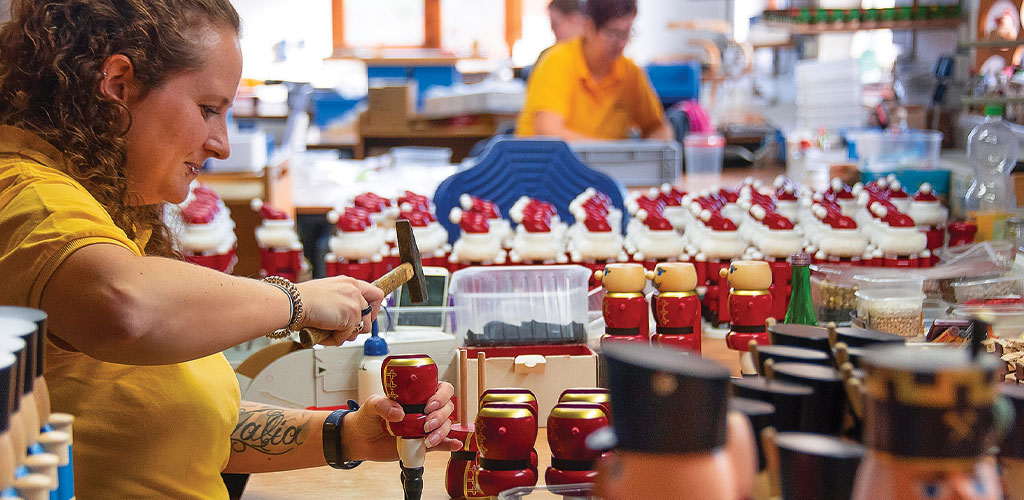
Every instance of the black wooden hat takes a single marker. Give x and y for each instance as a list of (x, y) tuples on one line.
[(816, 467), (788, 399), (937, 403), (862, 337), (809, 337), (664, 401), (785, 353), (825, 414)]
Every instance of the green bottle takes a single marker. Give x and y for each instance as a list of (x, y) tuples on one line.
[(801, 308)]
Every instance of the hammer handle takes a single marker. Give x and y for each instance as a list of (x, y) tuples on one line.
[(395, 278)]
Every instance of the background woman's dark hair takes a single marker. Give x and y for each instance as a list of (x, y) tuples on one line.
[(51, 57), (602, 11), (566, 7)]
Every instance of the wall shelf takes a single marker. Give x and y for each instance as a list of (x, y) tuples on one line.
[(819, 28)]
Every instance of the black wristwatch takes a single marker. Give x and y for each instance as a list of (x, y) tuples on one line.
[(332, 438)]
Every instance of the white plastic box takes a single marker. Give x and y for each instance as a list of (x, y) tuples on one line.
[(879, 151), (520, 297)]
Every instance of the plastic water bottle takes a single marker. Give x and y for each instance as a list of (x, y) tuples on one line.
[(375, 350), (992, 152)]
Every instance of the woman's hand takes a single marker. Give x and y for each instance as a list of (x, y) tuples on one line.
[(335, 304), (363, 436)]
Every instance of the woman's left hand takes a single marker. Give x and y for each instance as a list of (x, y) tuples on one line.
[(363, 437)]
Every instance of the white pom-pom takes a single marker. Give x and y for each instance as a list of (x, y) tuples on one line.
[(758, 212), (879, 210), (256, 204), (895, 185), (333, 216), (705, 215), (455, 215), (820, 255), (925, 188), (653, 193), (862, 198), (836, 184), (666, 188), (641, 214), (466, 201)]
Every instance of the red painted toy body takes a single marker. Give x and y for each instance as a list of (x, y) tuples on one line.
[(460, 465), (749, 310), (505, 435), (409, 380), (716, 298), (510, 395), (677, 315), (625, 317), (569, 424), (781, 289), (284, 263), (596, 395)]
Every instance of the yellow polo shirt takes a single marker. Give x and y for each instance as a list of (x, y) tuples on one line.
[(140, 431), (608, 108)]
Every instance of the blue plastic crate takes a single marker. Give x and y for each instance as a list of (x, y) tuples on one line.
[(913, 178), (675, 82), (327, 105)]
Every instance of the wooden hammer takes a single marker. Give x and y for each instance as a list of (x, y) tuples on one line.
[(410, 271)]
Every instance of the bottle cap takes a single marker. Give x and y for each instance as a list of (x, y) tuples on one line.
[(994, 109), (800, 259), (375, 345)]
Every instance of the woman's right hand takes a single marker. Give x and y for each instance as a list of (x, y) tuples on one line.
[(334, 304)]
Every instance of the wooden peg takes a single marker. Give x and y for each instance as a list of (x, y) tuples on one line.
[(833, 338), (771, 459), (481, 375), (842, 352), (464, 386), (769, 369)]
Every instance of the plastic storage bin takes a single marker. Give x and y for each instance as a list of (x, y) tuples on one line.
[(634, 163), (877, 151), (1007, 321), (704, 154), (520, 305), (891, 304), (833, 293)]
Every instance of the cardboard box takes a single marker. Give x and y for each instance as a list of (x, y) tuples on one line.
[(390, 105), (544, 370)]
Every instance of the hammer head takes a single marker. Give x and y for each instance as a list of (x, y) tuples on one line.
[(409, 252)]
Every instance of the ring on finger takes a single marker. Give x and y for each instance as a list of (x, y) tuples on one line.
[(358, 328)]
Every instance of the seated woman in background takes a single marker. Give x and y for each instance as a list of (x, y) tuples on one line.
[(585, 89)]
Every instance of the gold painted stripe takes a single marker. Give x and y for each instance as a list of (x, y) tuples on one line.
[(677, 294), (749, 292), (422, 361), (623, 295)]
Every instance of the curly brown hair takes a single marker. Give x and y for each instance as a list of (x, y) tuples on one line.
[(51, 58)]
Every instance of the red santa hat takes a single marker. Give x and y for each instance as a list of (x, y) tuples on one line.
[(199, 213), (360, 212), (472, 222), (416, 218), (372, 202), (895, 190), (925, 194), (594, 205), (650, 205), (266, 211), (671, 195), (717, 221), (417, 201), (728, 195), (537, 223), (654, 220), (897, 219), (487, 208), (708, 203), (352, 221), (535, 206), (834, 218), (597, 223), (786, 193)]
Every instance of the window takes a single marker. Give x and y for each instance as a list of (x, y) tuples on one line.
[(490, 26)]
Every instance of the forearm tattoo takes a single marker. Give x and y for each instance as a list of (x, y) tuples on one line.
[(271, 431)]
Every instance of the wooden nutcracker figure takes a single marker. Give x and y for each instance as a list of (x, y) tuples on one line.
[(510, 395), (1011, 449), (930, 416), (410, 380), (750, 305), (569, 425), (280, 248), (624, 307), (505, 435), (661, 452), (676, 306)]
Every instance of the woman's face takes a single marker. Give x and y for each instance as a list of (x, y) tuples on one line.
[(611, 39), (180, 124)]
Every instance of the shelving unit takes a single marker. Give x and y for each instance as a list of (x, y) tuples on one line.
[(819, 28)]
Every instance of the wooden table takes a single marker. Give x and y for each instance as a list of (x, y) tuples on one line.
[(373, 480)]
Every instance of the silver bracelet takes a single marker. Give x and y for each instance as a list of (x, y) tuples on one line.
[(298, 313)]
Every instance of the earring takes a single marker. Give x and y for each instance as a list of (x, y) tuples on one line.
[(104, 73)]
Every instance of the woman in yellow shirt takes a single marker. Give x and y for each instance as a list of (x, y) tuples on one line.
[(108, 108), (585, 89)]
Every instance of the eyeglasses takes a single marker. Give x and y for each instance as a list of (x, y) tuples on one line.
[(621, 35)]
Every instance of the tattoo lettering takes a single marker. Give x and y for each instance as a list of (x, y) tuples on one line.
[(268, 431)]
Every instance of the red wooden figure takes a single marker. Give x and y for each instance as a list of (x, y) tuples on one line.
[(750, 305), (505, 435), (569, 424), (624, 306), (410, 380), (676, 306), (596, 395)]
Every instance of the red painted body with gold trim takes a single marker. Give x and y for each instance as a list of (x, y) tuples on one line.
[(408, 380), (677, 310), (568, 427), (505, 432), (748, 308), (626, 311)]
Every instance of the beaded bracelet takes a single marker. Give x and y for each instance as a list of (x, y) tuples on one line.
[(298, 313)]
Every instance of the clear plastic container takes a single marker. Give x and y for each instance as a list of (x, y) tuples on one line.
[(997, 286), (992, 152), (703, 153), (421, 156), (834, 295), (1007, 321), (562, 492), (878, 150), (520, 305), (893, 304)]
